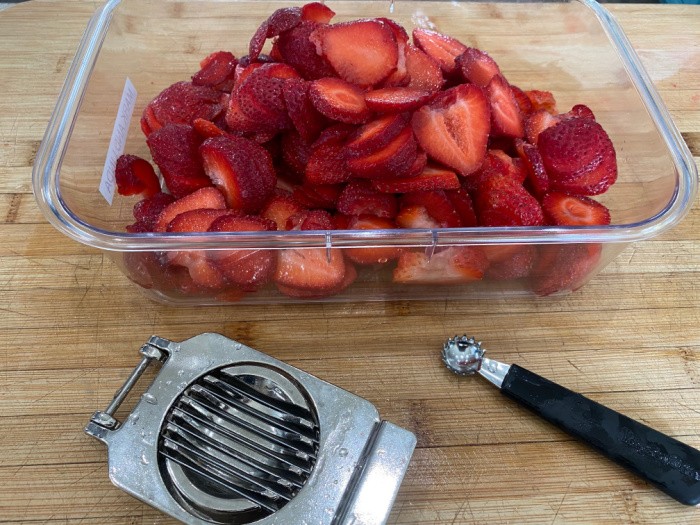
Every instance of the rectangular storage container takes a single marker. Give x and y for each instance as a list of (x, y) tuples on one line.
[(576, 50)]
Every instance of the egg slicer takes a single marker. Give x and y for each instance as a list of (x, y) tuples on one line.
[(227, 434)]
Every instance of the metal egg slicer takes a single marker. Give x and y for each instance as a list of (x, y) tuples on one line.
[(226, 434)]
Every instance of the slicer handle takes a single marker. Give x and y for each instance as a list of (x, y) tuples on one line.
[(672, 466)]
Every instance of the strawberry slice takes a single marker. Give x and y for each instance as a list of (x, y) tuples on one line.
[(502, 201), (175, 150), (376, 134), (463, 205), (396, 99), (217, 71), (305, 118), (564, 267), (317, 195), (260, 95), (317, 12), (537, 122), (360, 198), (339, 100), (441, 48), (579, 156), (415, 216), (181, 103), (315, 293), (306, 220), (372, 255), (205, 198), (561, 209), (392, 161), (327, 162), (424, 72), (534, 167), (509, 261), (278, 22), (542, 100), (454, 128), (477, 67), (294, 153), (248, 269), (135, 176), (524, 103), (146, 212), (506, 119), (580, 111), (437, 205), (431, 178), (312, 271), (280, 208), (362, 52), (197, 220), (207, 129), (241, 169), (296, 50), (453, 265)]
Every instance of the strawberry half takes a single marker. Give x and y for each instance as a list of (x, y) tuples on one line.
[(477, 67), (135, 176), (506, 118), (441, 48), (502, 201), (339, 100), (362, 52), (561, 209), (454, 128), (260, 95), (453, 265), (241, 169)]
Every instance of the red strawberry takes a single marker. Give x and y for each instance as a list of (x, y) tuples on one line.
[(502, 201), (312, 271), (327, 162), (542, 100), (281, 20), (506, 119), (317, 12), (524, 103), (217, 71), (339, 100), (477, 67), (463, 205), (207, 129), (135, 175), (197, 220), (349, 276), (578, 156), (317, 195), (453, 265), (564, 267), (238, 121), (424, 72), (181, 103), (241, 169), (260, 95), (392, 161), (508, 165), (509, 261), (580, 111), (430, 178), (146, 211), (536, 174), (373, 255), (305, 118), (436, 203), (537, 122), (454, 128), (376, 134), (280, 208), (561, 209), (247, 268), (295, 152), (298, 51), (415, 216), (306, 220), (441, 48), (205, 198), (175, 150), (363, 52), (396, 99), (359, 198)]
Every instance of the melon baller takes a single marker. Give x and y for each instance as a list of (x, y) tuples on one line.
[(226, 434), (672, 466)]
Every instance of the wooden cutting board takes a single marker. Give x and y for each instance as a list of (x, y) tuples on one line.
[(71, 325)]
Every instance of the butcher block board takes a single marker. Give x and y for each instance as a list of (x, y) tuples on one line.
[(71, 326)]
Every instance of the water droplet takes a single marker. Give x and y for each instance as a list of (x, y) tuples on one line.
[(133, 418), (343, 452), (237, 346), (149, 398), (381, 452), (144, 459), (168, 382)]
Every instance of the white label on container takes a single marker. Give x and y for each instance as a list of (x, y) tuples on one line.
[(118, 141)]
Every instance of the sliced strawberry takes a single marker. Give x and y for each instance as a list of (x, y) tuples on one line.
[(135, 176), (310, 270), (238, 121), (415, 216), (241, 169), (142, 268), (278, 22), (436, 203), (509, 261), (295, 153), (508, 165), (306, 220), (317, 195), (205, 198), (280, 208), (147, 210), (339, 100), (561, 209), (580, 111), (175, 150), (502, 201), (536, 173), (577, 153), (463, 205), (181, 103), (453, 265), (363, 52), (424, 72), (399, 32), (564, 267), (360, 198), (392, 161), (207, 129), (315, 293), (260, 95), (430, 178), (217, 71), (537, 122), (506, 119), (454, 128), (524, 103), (305, 118), (317, 12), (441, 48), (376, 134), (477, 67), (197, 220), (542, 100), (327, 162), (298, 51), (248, 269), (372, 255), (396, 99)]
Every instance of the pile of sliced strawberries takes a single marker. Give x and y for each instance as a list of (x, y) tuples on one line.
[(357, 126)]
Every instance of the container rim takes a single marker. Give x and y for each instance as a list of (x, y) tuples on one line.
[(47, 167)]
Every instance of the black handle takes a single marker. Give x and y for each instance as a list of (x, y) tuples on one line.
[(672, 466)]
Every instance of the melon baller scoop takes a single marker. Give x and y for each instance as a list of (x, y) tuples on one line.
[(672, 466)]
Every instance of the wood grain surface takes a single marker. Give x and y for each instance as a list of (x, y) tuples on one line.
[(71, 326)]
